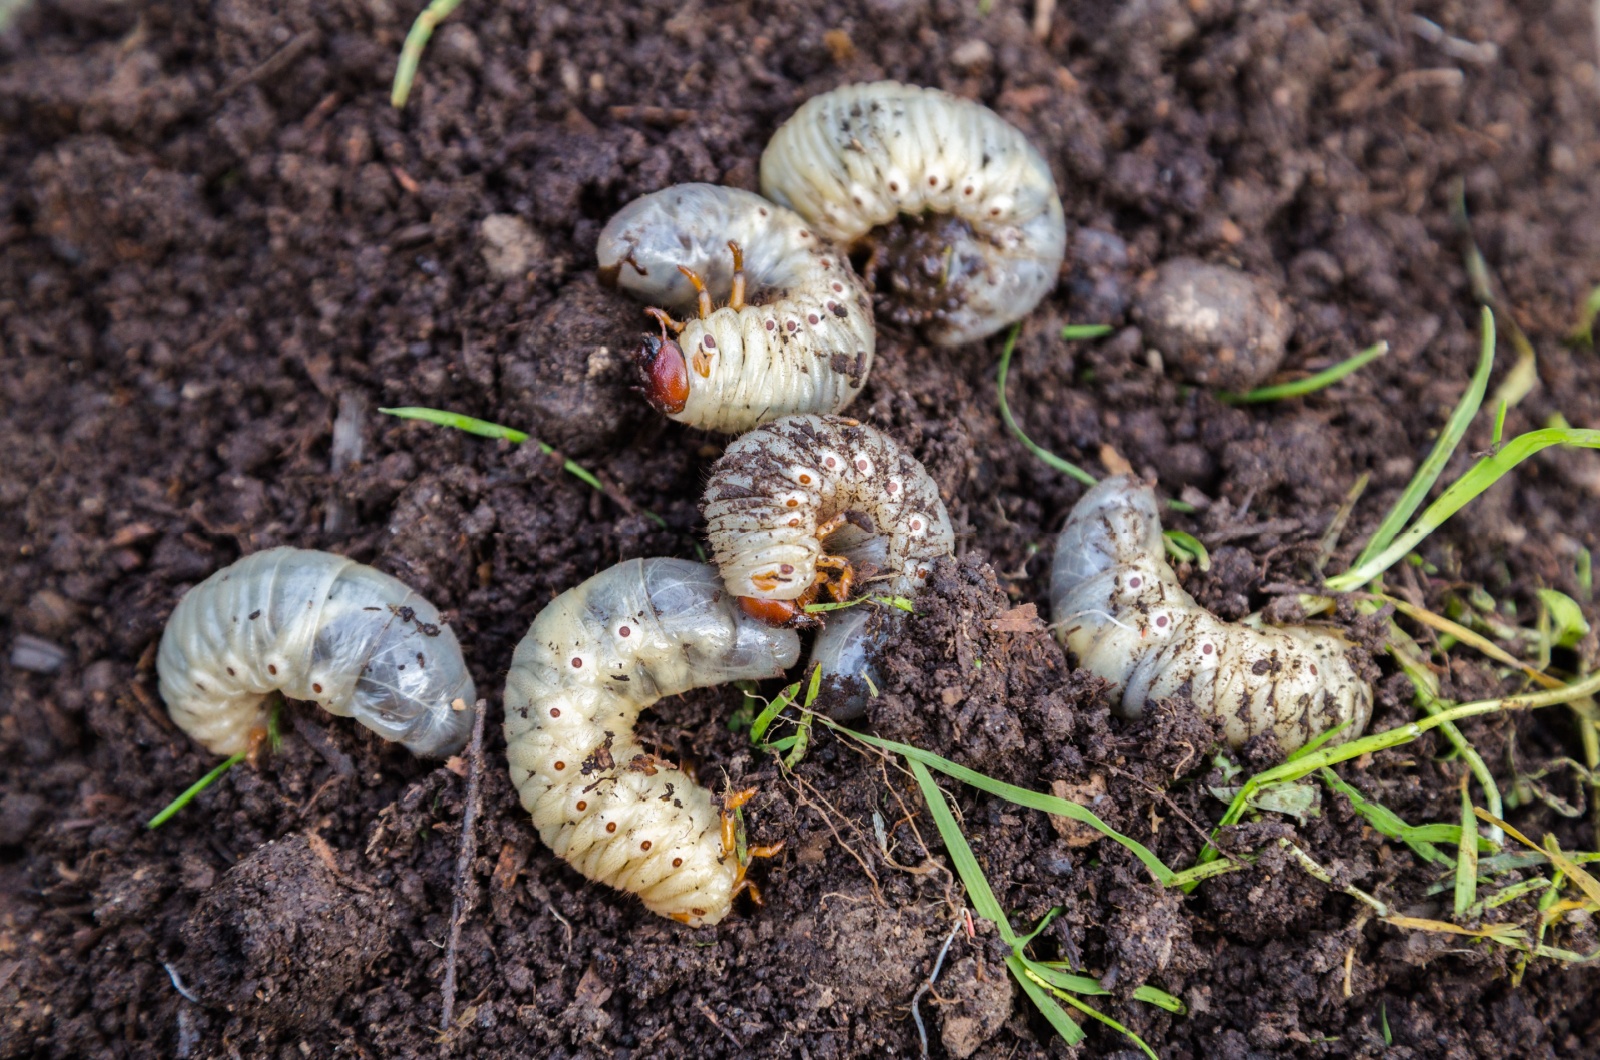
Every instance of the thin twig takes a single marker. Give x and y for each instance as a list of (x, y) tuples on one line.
[(922, 1032), (275, 64), (467, 851)]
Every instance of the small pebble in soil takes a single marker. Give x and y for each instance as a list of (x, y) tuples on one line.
[(1215, 326)]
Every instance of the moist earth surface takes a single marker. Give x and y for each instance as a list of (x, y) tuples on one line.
[(222, 251)]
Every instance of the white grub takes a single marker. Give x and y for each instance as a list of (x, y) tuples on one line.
[(798, 336), (861, 156), (784, 493), (775, 488), (1118, 606), (592, 660), (317, 627)]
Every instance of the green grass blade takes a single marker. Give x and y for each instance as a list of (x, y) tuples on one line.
[(1054, 975), (192, 790), (274, 741), (1066, 467), (469, 424), (1190, 877), (770, 712), (1400, 734), (1310, 384), (1466, 891), (405, 72), (485, 429), (1420, 680), (1086, 331), (1417, 491), (1045, 1001), (801, 740), (955, 842), (1481, 476), (1310, 746), (1583, 332), (1384, 820), (1033, 800), (1094, 1013), (1186, 548), (899, 603)]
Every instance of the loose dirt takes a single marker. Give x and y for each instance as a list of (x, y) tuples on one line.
[(221, 249)]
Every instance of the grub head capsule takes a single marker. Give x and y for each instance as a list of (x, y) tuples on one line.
[(663, 374)]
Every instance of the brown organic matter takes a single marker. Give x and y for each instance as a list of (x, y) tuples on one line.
[(213, 226)]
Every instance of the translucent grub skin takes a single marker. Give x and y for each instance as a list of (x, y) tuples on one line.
[(1118, 606), (794, 332), (317, 627), (864, 156), (594, 658), (799, 496)]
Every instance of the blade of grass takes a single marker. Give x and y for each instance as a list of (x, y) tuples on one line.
[(1045, 1002), (274, 741), (1515, 891), (1310, 384), (1054, 975), (1330, 537), (1400, 734), (1023, 968), (1384, 820), (901, 603), (1093, 1013), (1033, 800), (1186, 548), (485, 429), (1417, 491), (1432, 704), (1552, 850), (1583, 332), (1481, 476), (411, 52), (1466, 856), (194, 789), (1066, 467), (770, 712), (1086, 331), (955, 841), (1469, 637)]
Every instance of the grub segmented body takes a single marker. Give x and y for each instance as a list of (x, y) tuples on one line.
[(786, 495), (592, 660), (801, 341), (1118, 606), (860, 156), (317, 627)]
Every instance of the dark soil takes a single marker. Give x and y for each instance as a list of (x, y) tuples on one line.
[(220, 248)]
